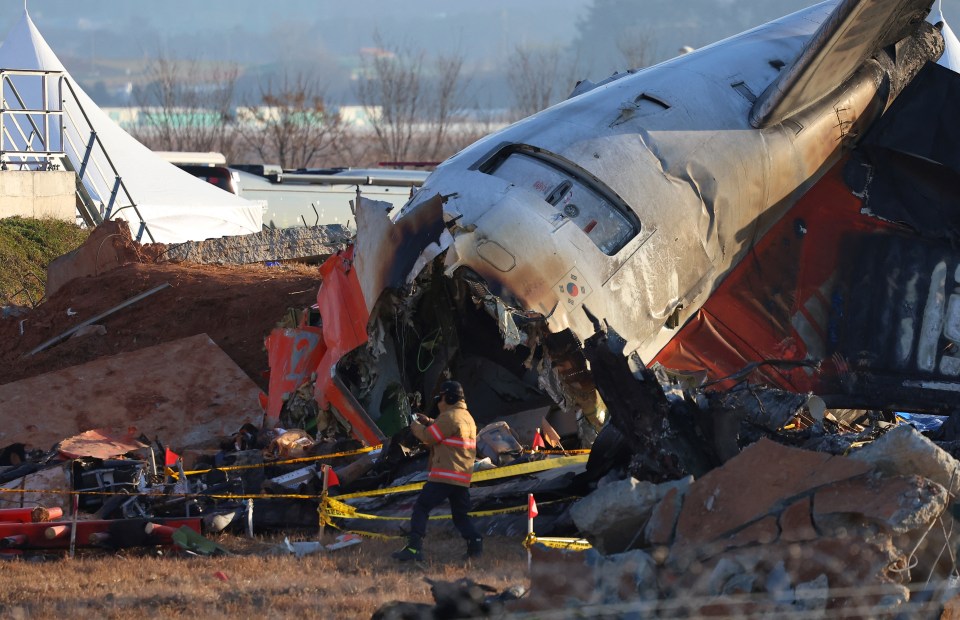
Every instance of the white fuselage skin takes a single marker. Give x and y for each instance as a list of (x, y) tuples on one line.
[(674, 142)]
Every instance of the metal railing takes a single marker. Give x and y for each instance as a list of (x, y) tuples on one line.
[(55, 133), (32, 125)]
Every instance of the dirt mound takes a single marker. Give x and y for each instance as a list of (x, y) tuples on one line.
[(235, 306)]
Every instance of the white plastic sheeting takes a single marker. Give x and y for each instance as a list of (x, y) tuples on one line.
[(176, 206)]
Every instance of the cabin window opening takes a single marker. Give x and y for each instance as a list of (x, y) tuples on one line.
[(602, 216)]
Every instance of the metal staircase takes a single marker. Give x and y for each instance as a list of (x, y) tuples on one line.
[(43, 126)]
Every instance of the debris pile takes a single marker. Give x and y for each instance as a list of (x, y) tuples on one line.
[(778, 529), (856, 520), (695, 497)]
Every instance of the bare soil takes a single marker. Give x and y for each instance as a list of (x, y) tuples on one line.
[(256, 582), (236, 306)]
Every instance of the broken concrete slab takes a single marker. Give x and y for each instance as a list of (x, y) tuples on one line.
[(759, 532), (663, 520), (625, 577), (763, 477), (859, 572), (730, 577), (187, 392), (271, 244), (904, 451), (796, 522), (613, 517), (900, 504)]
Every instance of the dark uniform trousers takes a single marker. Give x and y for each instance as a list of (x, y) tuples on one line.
[(432, 495)]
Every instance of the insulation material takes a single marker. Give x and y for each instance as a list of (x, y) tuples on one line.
[(48, 486), (176, 206)]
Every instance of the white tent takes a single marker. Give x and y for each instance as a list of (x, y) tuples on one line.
[(121, 174), (951, 52)]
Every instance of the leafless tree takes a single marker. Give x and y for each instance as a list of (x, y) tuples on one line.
[(411, 103), (291, 124), (534, 77), (637, 47), (444, 104), (390, 90), (187, 106)]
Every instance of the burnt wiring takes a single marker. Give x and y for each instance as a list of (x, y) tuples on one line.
[(430, 343)]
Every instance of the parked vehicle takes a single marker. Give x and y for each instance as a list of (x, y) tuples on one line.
[(310, 197), (303, 197)]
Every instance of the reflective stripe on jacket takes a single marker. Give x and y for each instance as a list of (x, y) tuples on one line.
[(452, 439)]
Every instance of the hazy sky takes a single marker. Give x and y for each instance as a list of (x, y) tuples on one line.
[(251, 29), (105, 42)]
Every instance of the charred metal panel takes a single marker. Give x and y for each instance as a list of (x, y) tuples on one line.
[(386, 251), (922, 122), (908, 167)]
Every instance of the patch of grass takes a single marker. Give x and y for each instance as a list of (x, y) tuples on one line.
[(27, 246), (256, 582)]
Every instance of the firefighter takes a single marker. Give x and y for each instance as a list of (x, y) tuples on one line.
[(452, 439)]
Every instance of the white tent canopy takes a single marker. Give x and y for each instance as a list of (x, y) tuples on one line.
[(120, 172), (951, 52)]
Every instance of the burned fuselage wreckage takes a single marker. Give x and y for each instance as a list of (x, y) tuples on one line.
[(644, 203)]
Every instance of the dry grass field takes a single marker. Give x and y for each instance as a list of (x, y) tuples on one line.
[(255, 581)]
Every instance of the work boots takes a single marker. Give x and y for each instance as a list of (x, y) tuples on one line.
[(413, 552), (474, 548)]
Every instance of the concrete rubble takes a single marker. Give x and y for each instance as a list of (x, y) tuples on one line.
[(778, 530), (308, 243)]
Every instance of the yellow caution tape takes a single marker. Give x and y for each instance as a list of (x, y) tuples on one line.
[(305, 459), (374, 535), (480, 476), (573, 544), (160, 494), (339, 510), (570, 544), (561, 452), (483, 476), (310, 459)]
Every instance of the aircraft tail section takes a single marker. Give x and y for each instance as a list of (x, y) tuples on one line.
[(854, 31)]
